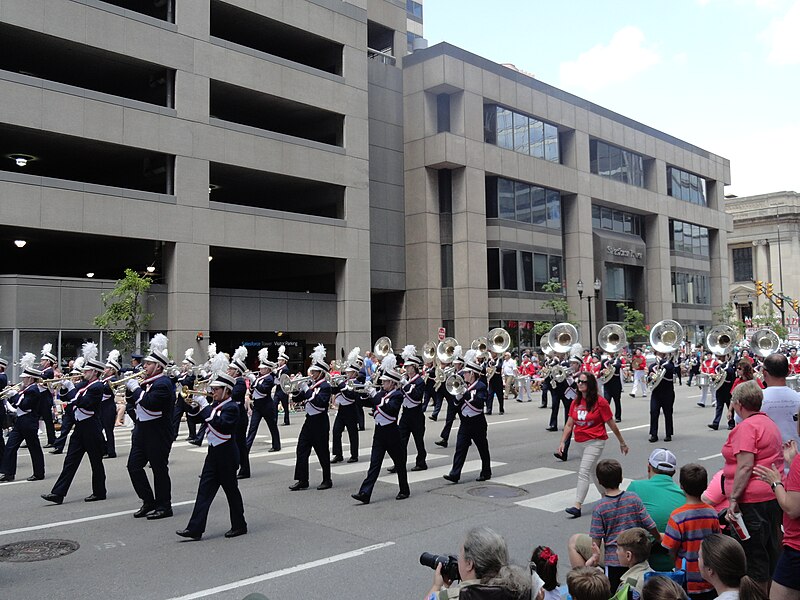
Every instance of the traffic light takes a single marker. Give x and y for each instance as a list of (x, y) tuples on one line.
[(796, 306), (759, 287), (769, 290), (778, 301)]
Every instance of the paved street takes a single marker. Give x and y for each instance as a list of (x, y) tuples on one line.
[(311, 544)]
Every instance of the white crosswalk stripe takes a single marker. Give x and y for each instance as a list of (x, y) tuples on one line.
[(531, 476), (437, 472), (558, 501)]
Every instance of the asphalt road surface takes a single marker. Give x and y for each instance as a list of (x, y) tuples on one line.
[(320, 544)]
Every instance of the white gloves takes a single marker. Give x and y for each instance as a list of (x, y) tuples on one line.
[(459, 396), (304, 387), (68, 385), (201, 400), (372, 392), (132, 385), (251, 378)]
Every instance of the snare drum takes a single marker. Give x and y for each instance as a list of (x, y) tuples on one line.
[(793, 383), (703, 379)]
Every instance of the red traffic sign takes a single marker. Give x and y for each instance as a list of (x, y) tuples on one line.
[(442, 333)]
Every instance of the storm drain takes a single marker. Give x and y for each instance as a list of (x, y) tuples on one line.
[(497, 491), (36, 550)]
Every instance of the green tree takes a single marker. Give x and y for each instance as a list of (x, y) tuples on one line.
[(558, 303), (767, 316), (728, 315), (633, 323), (123, 315)]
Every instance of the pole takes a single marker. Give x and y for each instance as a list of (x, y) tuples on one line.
[(591, 333), (780, 271)]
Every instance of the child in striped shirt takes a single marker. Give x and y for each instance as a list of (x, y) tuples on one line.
[(688, 526)]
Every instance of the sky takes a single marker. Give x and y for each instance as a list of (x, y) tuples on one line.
[(723, 75)]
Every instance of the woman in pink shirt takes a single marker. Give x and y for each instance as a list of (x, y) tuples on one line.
[(754, 441)]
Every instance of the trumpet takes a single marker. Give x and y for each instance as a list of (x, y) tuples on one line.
[(9, 391), (337, 379), (353, 386), (200, 387), (120, 383)]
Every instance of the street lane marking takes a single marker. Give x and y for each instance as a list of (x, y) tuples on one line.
[(363, 465), (558, 501), (711, 456), (438, 472), (490, 423), (635, 427), (531, 476), (281, 572), (82, 520)]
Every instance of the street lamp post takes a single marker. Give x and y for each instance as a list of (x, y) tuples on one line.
[(597, 285)]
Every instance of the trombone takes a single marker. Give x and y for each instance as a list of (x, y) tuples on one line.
[(10, 390)]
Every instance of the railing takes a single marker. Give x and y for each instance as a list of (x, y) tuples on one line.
[(383, 57)]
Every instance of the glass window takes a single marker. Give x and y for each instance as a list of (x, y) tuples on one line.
[(602, 159), (522, 141), (615, 163), (704, 241), (607, 218), (540, 271), (72, 342), (539, 207), (442, 112), (593, 156), (490, 124), (537, 138), (491, 197), (696, 239), (526, 258), (447, 265), (742, 263), (523, 202), (553, 209), (555, 268), (688, 242), (505, 197), (677, 233), (32, 341), (493, 267), (619, 222), (509, 269), (445, 190), (615, 283), (551, 151), (628, 223), (595, 217), (505, 128)]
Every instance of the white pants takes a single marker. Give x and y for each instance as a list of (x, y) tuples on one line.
[(592, 451), (524, 386), (639, 382), (706, 391)]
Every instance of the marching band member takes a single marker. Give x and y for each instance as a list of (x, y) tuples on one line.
[(316, 428), (130, 397), (709, 367), (525, 376), (3, 385), (473, 422), (725, 391), (452, 408), (108, 407), (263, 404), (495, 383), (794, 361), (566, 391), (47, 365), (27, 405), (639, 368), (387, 438), (237, 370), (586, 361), (280, 395), (210, 364), (612, 390), (185, 379), (694, 365), (67, 416), (662, 397), (151, 440), (88, 435), (428, 373), (219, 469), (347, 415), (413, 420)]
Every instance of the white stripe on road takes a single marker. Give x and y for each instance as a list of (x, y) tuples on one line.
[(348, 468), (635, 427), (280, 573), (531, 476), (490, 423), (558, 501), (82, 520), (438, 472)]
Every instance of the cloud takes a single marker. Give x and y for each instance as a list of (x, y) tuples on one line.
[(622, 59), (782, 38)]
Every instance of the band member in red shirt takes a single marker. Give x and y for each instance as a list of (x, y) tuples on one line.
[(709, 367)]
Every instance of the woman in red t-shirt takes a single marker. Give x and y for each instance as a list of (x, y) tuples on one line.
[(588, 416)]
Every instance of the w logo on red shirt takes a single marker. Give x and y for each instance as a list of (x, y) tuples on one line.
[(582, 415)]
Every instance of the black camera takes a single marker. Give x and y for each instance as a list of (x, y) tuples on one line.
[(449, 564)]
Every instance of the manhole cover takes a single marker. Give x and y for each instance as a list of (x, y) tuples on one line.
[(35, 550), (496, 491)]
